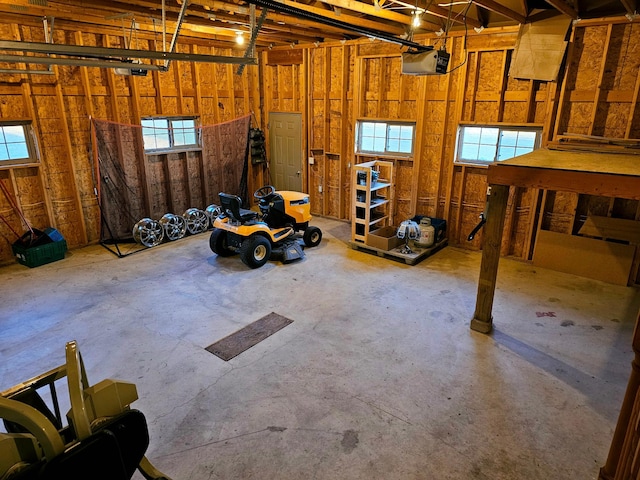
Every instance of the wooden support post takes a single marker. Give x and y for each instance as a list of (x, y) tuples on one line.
[(461, 192), (216, 96), (417, 150), (142, 164), (66, 135), (531, 101), (609, 471), (460, 99), (303, 107), (558, 106), (327, 131), (344, 147), (178, 81), (503, 83), (476, 77), (446, 164), (491, 241), (633, 108), (43, 169), (597, 99), (196, 69)]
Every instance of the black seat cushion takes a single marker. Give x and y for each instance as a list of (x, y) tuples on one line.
[(231, 206)]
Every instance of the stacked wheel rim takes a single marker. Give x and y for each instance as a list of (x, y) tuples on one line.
[(213, 211), (148, 232), (175, 226), (197, 220)]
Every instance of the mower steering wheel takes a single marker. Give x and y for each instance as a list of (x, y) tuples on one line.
[(263, 192)]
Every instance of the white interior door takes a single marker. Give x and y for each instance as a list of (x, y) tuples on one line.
[(285, 139)]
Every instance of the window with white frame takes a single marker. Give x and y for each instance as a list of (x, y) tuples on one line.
[(17, 143), (489, 143), (169, 133), (385, 138)]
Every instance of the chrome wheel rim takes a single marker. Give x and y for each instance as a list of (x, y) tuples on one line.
[(197, 220)]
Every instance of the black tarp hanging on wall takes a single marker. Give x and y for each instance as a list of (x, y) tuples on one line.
[(133, 185)]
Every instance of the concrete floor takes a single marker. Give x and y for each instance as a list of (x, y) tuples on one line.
[(378, 377)]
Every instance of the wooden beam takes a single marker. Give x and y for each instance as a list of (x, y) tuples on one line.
[(363, 22), (501, 10), (590, 183), (563, 8), (43, 170), (599, 90), (327, 130), (344, 147), (558, 107), (434, 10), (491, 243), (631, 6), (633, 108), (359, 7), (446, 163), (506, 57), (611, 469)]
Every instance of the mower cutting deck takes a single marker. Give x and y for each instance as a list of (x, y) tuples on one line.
[(256, 236)]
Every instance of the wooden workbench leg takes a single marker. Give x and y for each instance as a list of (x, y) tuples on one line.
[(491, 241), (625, 428)]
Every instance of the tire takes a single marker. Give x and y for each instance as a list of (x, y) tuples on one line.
[(312, 236), (218, 243), (255, 251)]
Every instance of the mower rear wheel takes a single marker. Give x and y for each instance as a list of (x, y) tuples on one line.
[(218, 243), (255, 251), (312, 236)]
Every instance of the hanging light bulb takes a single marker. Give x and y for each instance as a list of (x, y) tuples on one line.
[(416, 19), (239, 38)]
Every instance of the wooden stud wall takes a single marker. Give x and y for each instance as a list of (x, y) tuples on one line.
[(59, 190), (335, 85), (598, 95)]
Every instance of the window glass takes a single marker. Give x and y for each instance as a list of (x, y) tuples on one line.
[(483, 144), (385, 137), (16, 144), (164, 133)]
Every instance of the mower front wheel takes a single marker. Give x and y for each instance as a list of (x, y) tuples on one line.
[(312, 236), (218, 243), (255, 251)]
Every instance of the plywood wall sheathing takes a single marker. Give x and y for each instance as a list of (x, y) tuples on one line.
[(59, 191)]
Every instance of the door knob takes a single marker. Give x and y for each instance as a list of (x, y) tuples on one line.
[(298, 173)]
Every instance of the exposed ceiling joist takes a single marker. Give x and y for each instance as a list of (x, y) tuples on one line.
[(108, 54), (563, 7), (501, 9), (215, 22), (394, 30), (297, 12), (631, 6), (434, 10)]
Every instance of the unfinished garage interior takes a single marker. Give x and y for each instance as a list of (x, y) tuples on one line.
[(461, 305)]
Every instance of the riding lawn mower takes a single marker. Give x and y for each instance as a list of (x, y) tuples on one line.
[(272, 230)]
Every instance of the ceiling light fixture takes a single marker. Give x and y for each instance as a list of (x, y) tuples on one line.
[(416, 19), (239, 38)]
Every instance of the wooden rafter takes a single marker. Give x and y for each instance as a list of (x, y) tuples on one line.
[(434, 10), (348, 18), (563, 7), (631, 6), (501, 9)]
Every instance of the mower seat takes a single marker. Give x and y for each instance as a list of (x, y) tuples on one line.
[(230, 205)]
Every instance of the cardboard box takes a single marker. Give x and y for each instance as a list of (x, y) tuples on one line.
[(383, 238)]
